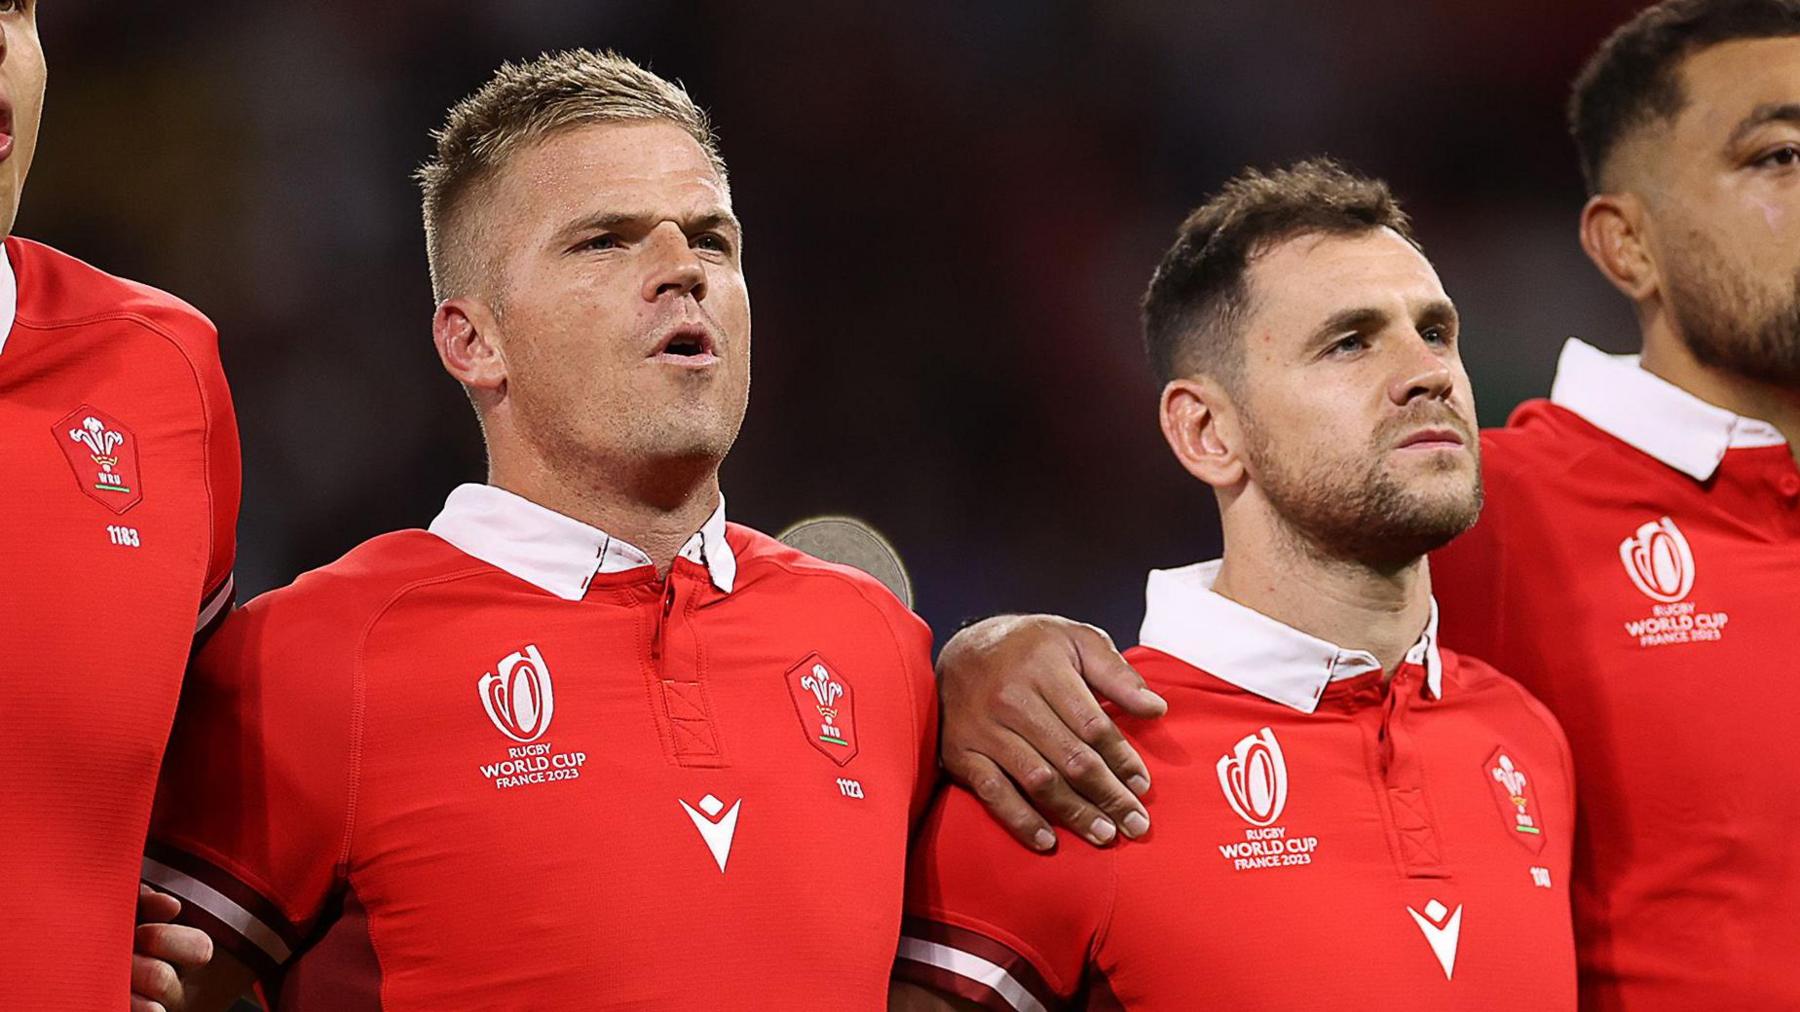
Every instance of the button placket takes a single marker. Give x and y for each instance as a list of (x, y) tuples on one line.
[(1418, 844), (685, 705)]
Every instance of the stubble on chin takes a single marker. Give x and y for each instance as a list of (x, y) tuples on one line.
[(1365, 513), (1726, 324)]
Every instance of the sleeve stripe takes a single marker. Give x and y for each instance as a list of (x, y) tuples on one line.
[(226, 939), (975, 943), (192, 890), (974, 968), (218, 602), (229, 885)]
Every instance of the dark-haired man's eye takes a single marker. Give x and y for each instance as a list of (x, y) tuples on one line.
[(1782, 157)]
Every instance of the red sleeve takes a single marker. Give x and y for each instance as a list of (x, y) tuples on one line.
[(251, 825), (994, 923), (224, 488), (912, 642), (921, 682)]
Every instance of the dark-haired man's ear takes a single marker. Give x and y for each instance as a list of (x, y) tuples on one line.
[(464, 330), (1614, 234), (1200, 426)]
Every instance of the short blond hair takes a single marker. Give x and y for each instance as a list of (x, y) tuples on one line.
[(524, 103)]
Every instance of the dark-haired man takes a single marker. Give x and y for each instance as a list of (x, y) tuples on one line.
[(582, 744), (1637, 562), (1348, 816)]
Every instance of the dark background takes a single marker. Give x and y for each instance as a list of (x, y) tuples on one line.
[(952, 208)]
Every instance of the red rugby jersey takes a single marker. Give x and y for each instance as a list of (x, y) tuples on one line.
[(118, 501), (1637, 567), (1324, 839), (502, 765)]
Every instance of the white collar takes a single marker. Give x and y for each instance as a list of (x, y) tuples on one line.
[(1617, 396), (9, 296), (1186, 620), (558, 553)]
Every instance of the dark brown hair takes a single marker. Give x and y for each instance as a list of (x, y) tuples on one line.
[(1196, 299), (1633, 80)]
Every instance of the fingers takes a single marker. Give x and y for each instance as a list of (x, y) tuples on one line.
[(154, 984), (1018, 718), (1016, 767), (1002, 798), (163, 953), (1061, 723), (1106, 672), (155, 907), (1080, 712), (183, 947), (1096, 760), (1056, 735), (1045, 784)]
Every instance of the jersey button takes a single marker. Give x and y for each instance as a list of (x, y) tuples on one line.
[(1790, 487)]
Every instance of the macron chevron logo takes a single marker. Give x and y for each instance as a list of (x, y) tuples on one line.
[(1441, 928), (717, 830)]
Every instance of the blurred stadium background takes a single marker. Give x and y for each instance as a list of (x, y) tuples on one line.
[(951, 209)]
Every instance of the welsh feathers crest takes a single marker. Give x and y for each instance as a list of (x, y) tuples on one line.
[(826, 704), (103, 454)]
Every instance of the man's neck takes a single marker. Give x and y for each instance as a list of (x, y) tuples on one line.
[(1353, 605), (658, 520), (1667, 356)]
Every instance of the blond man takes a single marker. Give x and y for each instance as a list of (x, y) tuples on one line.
[(583, 743)]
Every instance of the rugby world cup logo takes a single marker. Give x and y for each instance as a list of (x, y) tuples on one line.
[(1659, 562), (1254, 778), (518, 699)]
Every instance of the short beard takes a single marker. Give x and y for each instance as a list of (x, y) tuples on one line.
[(1361, 513), (1726, 326)]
